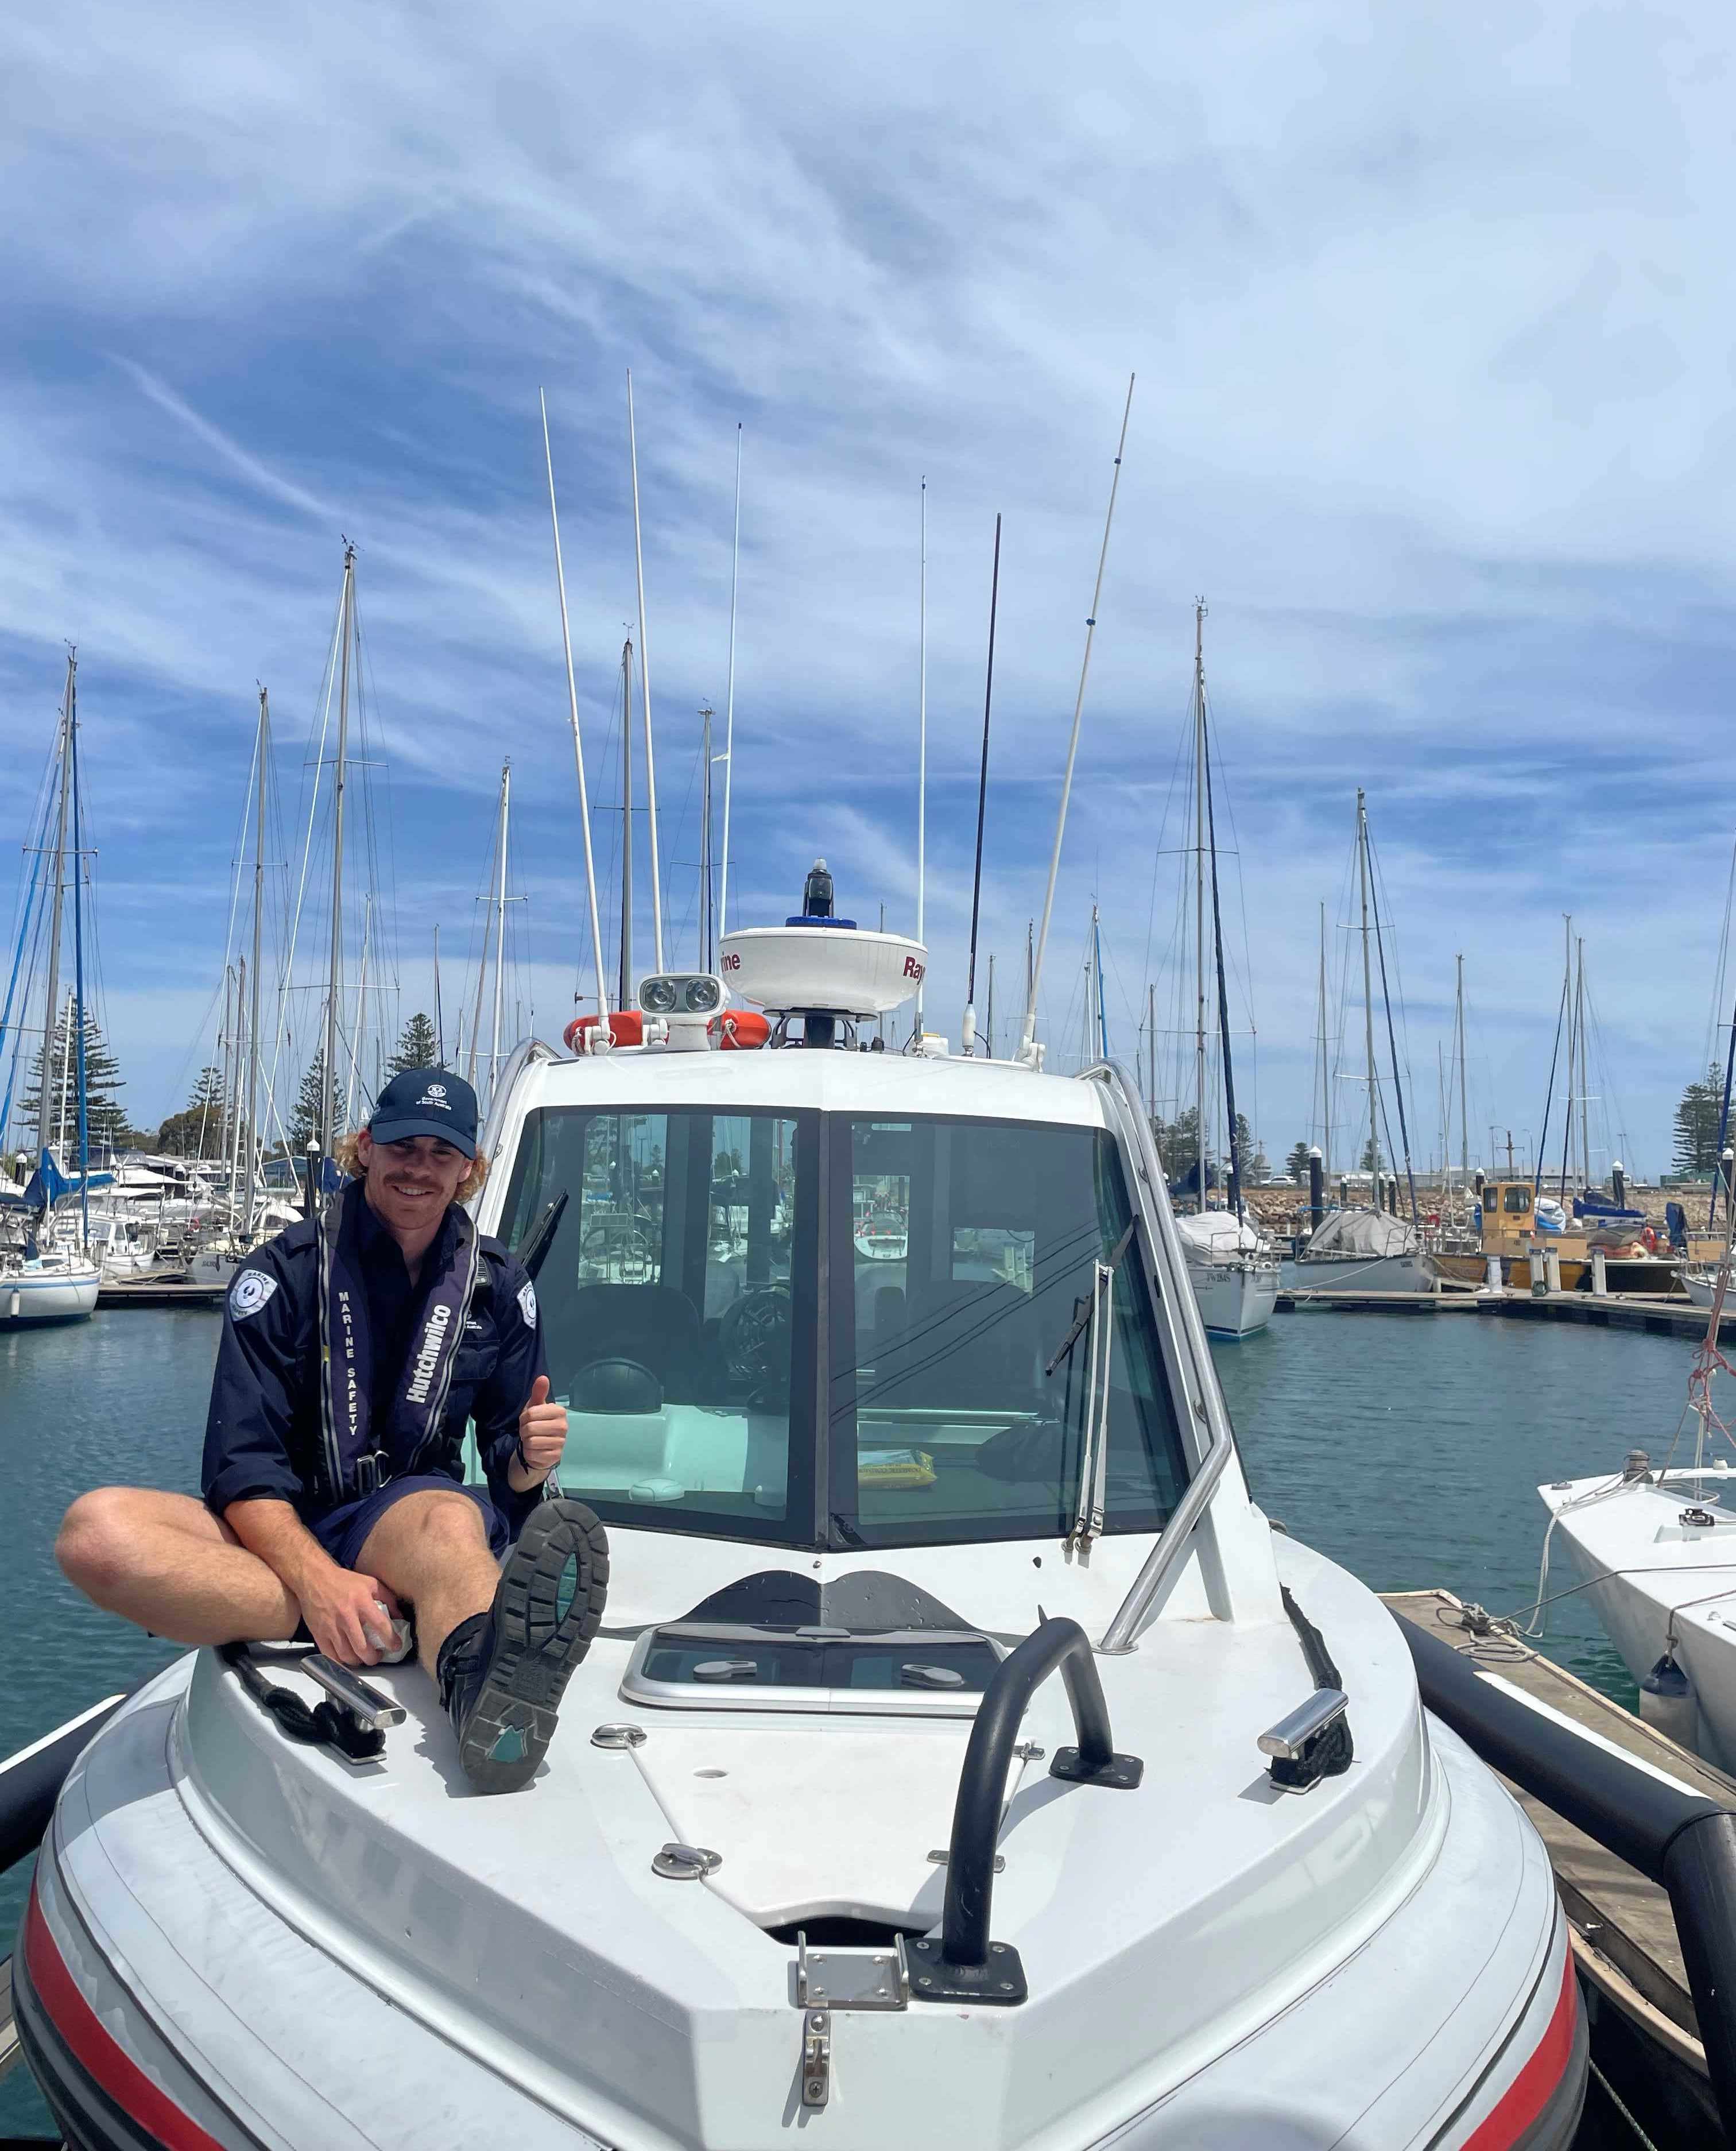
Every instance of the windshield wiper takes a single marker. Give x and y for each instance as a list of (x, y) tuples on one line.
[(540, 1239), (1083, 1305)]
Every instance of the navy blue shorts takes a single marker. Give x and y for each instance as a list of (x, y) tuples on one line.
[(344, 1531)]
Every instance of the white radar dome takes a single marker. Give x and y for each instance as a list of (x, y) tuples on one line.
[(835, 970)]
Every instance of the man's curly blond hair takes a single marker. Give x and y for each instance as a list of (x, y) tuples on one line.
[(347, 1157)]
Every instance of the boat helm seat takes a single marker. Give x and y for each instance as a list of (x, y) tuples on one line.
[(615, 1385), (651, 1327)]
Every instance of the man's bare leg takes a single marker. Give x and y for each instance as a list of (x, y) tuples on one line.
[(164, 1561), (431, 1548)]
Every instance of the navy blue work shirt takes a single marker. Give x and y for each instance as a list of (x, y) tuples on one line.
[(262, 1432)]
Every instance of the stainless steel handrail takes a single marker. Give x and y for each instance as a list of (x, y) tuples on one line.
[(1173, 1540)]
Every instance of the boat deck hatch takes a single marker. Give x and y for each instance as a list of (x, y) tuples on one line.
[(726, 1665)]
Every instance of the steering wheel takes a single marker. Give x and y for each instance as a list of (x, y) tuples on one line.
[(754, 1335)]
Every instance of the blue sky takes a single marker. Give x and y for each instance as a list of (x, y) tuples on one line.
[(1434, 358)]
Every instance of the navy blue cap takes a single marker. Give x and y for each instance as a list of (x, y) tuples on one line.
[(427, 1101)]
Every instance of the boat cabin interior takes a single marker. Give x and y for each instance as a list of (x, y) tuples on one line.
[(840, 1331)]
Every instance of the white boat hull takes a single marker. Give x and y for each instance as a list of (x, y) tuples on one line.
[(1650, 1578), (54, 1295), (1414, 1272), (1236, 1299)]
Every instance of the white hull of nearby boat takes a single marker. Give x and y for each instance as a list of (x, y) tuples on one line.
[(1349, 1272), (1236, 1298), (213, 1265), (1701, 1284), (65, 1293), (1658, 1581)]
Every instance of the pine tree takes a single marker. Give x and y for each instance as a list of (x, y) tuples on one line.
[(198, 1129), (417, 1048), (105, 1116), (1296, 1164), (310, 1105), (1697, 1118)]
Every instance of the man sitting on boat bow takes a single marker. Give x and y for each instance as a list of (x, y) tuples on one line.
[(355, 1347)]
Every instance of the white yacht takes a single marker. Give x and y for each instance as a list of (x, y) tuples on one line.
[(1234, 1272), (1656, 1551), (56, 1284), (1366, 1250), (820, 1851)]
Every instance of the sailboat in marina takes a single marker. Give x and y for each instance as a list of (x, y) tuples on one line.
[(1363, 1248), (47, 1272), (1232, 1268)]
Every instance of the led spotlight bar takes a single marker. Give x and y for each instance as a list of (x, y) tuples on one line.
[(681, 993)]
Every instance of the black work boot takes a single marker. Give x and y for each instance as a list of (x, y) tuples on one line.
[(501, 1673)]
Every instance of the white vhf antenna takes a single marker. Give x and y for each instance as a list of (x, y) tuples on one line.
[(1028, 1052)]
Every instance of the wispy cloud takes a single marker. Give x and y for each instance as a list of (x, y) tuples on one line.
[(1434, 405)]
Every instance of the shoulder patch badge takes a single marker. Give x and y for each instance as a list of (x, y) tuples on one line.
[(527, 1303), (249, 1294)]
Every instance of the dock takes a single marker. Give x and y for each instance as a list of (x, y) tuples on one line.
[(1657, 1316), (1623, 1932), (156, 1292)]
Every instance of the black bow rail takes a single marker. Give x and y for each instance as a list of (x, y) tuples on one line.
[(1683, 1843), (963, 1964)]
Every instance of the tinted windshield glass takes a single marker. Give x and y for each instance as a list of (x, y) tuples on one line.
[(972, 1251), (676, 1294)]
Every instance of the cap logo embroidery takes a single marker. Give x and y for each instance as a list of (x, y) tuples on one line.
[(249, 1294), (435, 1095)]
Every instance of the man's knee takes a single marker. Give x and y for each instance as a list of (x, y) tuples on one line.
[(447, 1524), (97, 1544)]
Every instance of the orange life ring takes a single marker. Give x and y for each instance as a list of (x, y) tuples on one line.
[(626, 1027), (739, 1030)]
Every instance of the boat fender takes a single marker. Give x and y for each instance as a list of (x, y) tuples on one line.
[(1668, 1701)]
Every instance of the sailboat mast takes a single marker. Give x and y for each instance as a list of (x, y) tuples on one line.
[(50, 1004), (705, 936), (1325, 1066), (1585, 1087), (78, 1011), (626, 978), (260, 751), (988, 691), (499, 922), (439, 1013), (921, 729), (1199, 1082), (334, 984), (1368, 1002), (1085, 1011), (1102, 1013), (1567, 1003), (723, 904), (355, 1076), (579, 756), (1464, 1122), (638, 555), (990, 1014)]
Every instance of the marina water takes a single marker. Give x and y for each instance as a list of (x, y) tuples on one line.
[(1407, 1447)]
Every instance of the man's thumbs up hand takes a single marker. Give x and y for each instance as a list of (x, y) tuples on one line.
[(542, 1437)]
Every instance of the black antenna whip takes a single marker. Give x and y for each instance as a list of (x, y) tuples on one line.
[(988, 696)]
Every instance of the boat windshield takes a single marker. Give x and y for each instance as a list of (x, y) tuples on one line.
[(677, 1294), (951, 1416), (954, 1344)]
